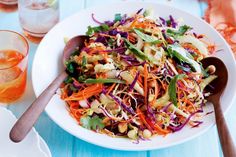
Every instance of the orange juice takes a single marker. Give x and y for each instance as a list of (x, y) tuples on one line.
[(12, 76)]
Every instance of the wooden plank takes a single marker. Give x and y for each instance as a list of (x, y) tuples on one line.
[(205, 145), (82, 148), (231, 119)]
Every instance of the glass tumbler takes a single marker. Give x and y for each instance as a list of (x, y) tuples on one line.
[(37, 17), (8, 5), (13, 65)]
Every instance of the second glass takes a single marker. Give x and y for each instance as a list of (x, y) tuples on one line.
[(8, 5), (37, 17), (13, 65)]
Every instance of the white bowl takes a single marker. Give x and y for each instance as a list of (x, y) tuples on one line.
[(47, 65)]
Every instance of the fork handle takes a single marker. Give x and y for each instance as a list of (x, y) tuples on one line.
[(226, 140)]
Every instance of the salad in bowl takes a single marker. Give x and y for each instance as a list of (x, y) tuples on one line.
[(138, 76)]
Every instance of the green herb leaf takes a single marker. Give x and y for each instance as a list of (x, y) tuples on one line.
[(148, 12), (70, 67), (81, 78), (184, 68), (68, 80), (182, 30), (72, 87), (117, 17), (85, 121), (111, 42), (92, 30), (76, 52), (147, 38), (204, 72), (66, 39), (104, 27), (168, 22), (172, 88), (96, 122), (182, 55), (84, 61), (92, 123), (135, 50), (103, 81)]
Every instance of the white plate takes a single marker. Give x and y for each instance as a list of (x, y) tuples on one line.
[(32, 146), (47, 65)]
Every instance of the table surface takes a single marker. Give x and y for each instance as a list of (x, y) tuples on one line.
[(62, 144)]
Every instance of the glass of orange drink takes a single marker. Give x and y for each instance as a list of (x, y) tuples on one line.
[(13, 65)]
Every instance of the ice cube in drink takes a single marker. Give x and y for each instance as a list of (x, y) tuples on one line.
[(12, 77), (37, 18)]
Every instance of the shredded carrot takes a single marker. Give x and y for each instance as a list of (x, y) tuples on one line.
[(145, 83), (111, 88), (75, 111), (191, 106), (142, 118), (156, 91), (86, 93), (131, 38), (192, 48), (107, 35)]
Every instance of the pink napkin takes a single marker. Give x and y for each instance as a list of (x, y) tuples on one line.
[(222, 15)]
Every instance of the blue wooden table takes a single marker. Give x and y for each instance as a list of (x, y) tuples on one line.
[(63, 144)]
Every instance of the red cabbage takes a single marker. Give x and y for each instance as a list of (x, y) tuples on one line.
[(105, 112), (150, 114), (184, 67), (95, 20), (86, 49), (119, 50), (123, 19), (180, 85), (165, 108), (138, 64), (109, 23), (209, 112), (139, 11), (128, 109), (178, 128), (163, 21), (101, 39), (114, 32), (129, 58), (197, 123), (169, 70), (172, 21), (134, 81), (76, 85)]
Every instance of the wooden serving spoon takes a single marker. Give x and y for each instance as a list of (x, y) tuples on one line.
[(30, 116), (217, 88)]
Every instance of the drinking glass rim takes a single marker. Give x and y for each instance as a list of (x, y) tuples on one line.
[(24, 40)]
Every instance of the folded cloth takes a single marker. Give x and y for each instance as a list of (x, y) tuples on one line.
[(222, 15)]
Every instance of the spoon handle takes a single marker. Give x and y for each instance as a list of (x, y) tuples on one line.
[(226, 140), (30, 116)]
